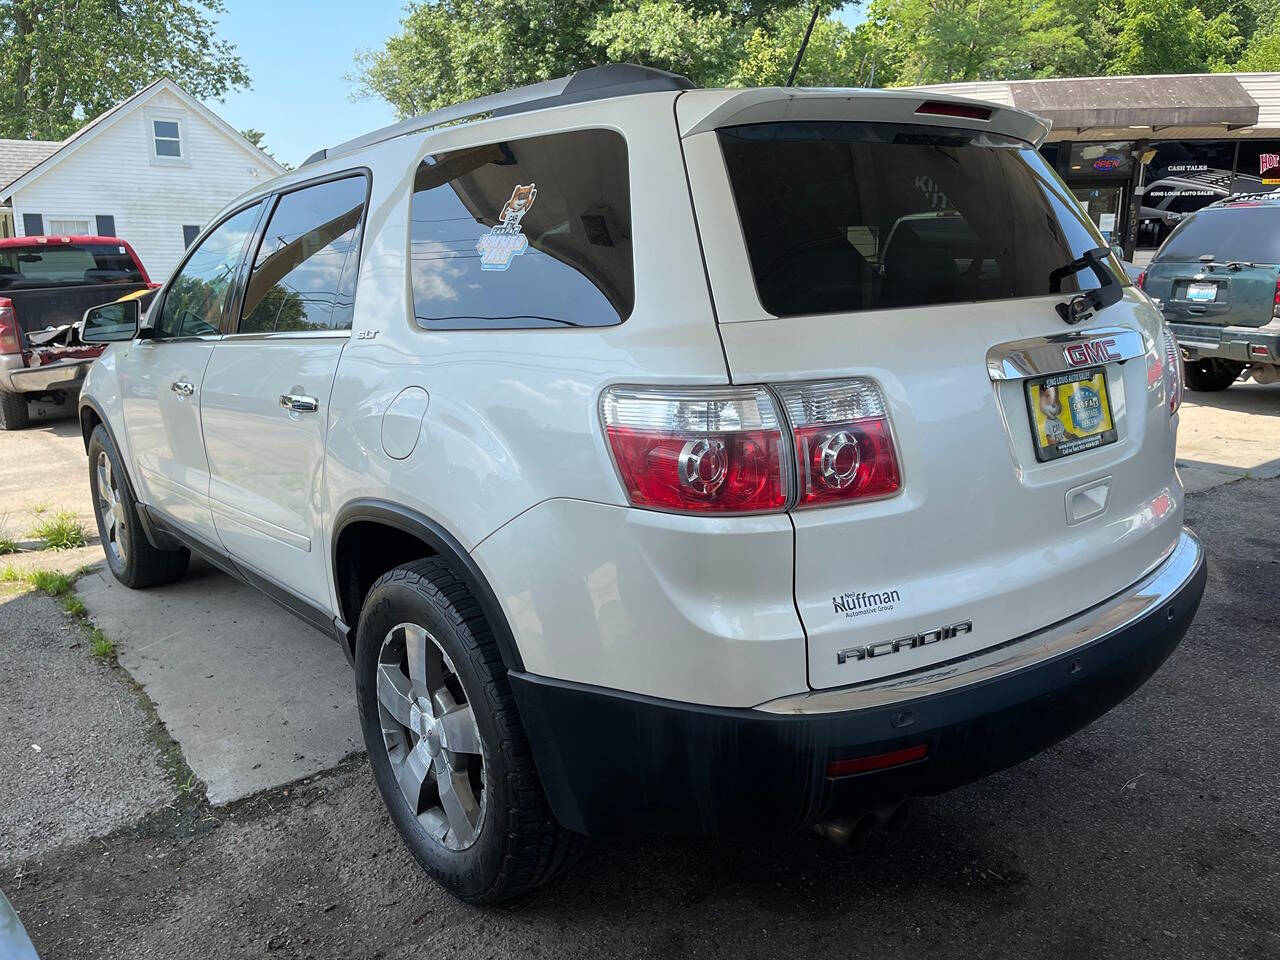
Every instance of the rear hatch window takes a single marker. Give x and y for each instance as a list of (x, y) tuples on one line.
[(66, 263), (842, 217), (1240, 233)]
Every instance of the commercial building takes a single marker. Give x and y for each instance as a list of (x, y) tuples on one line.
[(1141, 153)]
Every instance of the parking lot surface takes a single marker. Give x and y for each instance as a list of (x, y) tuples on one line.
[(1155, 832)]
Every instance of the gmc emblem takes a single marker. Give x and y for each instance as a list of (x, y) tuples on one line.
[(1095, 351)]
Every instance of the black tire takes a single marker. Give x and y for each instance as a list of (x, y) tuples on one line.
[(518, 844), (137, 564), (1211, 374), (13, 411)]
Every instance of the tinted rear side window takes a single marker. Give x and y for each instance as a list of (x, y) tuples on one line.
[(842, 216), (43, 264), (304, 275), (525, 233), (1231, 233)]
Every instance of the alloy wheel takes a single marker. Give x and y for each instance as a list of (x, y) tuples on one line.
[(430, 734), (110, 507)]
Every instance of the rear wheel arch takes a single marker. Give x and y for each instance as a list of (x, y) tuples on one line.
[(371, 537)]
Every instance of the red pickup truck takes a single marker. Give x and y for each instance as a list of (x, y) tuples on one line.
[(46, 285)]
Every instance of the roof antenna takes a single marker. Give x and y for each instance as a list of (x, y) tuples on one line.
[(795, 67)]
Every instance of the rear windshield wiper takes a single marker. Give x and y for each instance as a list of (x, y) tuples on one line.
[(1085, 305)]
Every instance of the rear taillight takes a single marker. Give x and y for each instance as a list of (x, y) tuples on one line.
[(843, 445), (1142, 280), (1275, 310), (1172, 369), (697, 450), (10, 342)]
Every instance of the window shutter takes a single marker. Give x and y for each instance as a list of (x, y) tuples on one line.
[(106, 226), (33, 224)]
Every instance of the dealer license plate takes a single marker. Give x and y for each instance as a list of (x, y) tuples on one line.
[(1202, 292), (1070, 413)]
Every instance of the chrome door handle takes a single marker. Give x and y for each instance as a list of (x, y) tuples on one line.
[(182, 388), (298, 403)]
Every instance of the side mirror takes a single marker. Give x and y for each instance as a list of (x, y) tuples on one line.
[(1117, 251), (111, 322)]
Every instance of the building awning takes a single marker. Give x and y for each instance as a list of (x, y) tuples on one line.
[(1150, 102)]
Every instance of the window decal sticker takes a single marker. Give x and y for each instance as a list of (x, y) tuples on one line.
[(505, 240)]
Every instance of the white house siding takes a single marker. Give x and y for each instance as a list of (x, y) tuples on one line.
[(116, 174)]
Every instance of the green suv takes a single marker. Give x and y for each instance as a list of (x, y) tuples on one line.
[(1217, 279)]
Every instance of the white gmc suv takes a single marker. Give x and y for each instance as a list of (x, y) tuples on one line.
[(666, 459)]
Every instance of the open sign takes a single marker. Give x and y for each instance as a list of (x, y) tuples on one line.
[(1106, 164)]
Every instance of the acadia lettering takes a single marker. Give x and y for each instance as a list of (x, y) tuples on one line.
[(884, 647)]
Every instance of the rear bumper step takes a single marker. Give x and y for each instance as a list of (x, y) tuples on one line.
[(1229, 343), (65, 375), (613, 762)]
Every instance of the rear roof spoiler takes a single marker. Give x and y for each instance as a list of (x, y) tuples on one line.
[(705, 110)]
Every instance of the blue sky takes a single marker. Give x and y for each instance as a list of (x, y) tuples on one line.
[(300, 98)]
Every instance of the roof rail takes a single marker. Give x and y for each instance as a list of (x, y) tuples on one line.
[(594, 83)]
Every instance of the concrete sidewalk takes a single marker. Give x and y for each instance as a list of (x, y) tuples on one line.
[(1225, 436), (255, 697)]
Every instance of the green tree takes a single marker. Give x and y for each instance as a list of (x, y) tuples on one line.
[(835, 57), (936, 41), (1262, 53), (453, 50), (1173, 36), (63, 62), (672, 35), (255, 137)]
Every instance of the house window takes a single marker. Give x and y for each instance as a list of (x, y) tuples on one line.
[(68, 227), (167, 138), (189, 234)]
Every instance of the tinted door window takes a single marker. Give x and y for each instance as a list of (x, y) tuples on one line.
[(196, 301), (304, 276), (842, 216), (527, 233)]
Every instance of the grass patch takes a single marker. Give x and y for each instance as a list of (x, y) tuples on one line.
[(53, 583), (7, 543), (73, 605), (61, 531), (100, 645), (41, 508)]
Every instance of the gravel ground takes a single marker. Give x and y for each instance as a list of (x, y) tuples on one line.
[(1153, 833), (79, 756)]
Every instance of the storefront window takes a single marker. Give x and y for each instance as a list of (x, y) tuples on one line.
[(1184, 176), (1258, 169), (1113, 158)]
